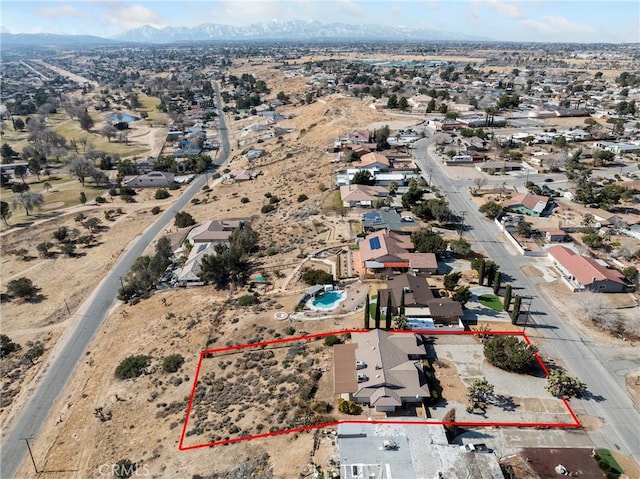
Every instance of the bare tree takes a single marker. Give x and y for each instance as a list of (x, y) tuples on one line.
[(82, 168), (27, 200), (109, 131)]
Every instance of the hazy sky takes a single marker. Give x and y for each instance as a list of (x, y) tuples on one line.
[(507, 20)]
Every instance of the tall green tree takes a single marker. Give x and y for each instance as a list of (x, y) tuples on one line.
[(402, 300), (481, 272), (451, 280), (389, 313), (497, 282), (376, 320), (367, 313), (506, 302)]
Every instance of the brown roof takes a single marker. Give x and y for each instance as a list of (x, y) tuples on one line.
[(344, 368), (445, 308), (416, 291)]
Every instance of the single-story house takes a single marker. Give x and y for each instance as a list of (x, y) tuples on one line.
[(584, 273), (215, 231), (381, 369), (383, 250), (157, 179), (243, 175), (420, 301), (374, 160), (528, 204), (354, 196)]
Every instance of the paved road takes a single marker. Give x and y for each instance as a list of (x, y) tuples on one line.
[(608, 398), (91, 317)]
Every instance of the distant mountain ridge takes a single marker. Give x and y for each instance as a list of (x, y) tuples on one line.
[(293, 30), (52, 39), (287, 30)]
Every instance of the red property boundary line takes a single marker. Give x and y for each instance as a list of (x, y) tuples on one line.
[(427, 332)]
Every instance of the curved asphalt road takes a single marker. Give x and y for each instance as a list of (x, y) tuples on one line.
[(608, 398), (92, 314)]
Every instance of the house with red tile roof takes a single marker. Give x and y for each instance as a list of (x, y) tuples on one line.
[(584, 273)]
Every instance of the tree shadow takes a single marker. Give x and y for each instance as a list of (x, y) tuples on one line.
[(506, 403), (589, 396)]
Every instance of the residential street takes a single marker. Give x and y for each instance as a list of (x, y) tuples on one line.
[(608, 398), (90, 317)]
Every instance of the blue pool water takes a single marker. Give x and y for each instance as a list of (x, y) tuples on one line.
[(122, 117), (328, 300)]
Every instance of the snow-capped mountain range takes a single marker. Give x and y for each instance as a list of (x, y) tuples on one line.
[(286, 30)]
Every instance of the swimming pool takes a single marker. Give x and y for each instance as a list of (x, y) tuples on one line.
[(123, 117), (327, 300)]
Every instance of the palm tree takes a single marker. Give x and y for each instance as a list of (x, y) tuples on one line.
[(27, 200)]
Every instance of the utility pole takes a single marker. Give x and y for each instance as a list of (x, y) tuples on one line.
[(26, 439), (463, 213), (121, 282)]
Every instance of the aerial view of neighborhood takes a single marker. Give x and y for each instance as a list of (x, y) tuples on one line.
[(320, 240)]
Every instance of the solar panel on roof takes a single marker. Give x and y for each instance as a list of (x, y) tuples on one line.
[(374, 243)]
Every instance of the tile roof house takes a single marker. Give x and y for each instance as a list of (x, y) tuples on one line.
[(583, 273), (381, 369), (528, 204), (354, 196), (374, 160), (420, 300)]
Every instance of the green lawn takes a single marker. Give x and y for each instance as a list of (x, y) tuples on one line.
[(608, 464), (491, 301)]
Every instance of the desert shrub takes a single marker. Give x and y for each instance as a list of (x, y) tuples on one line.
[(155, 210), (510, 353), (316, 276), (184, 219), (248, 300), (127, 190), (349, 407), (331, 340), (128, 198), (100, 200), (172, 363), (132, 366), (161, 194), (244, 199), (302, 198), (34, 352), (321, 407), (22, 288), (7, 346), (267, 208)]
